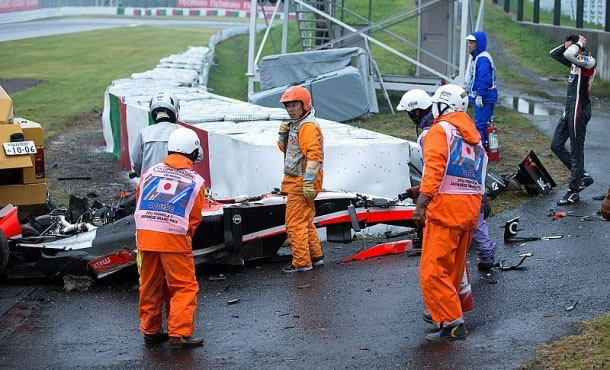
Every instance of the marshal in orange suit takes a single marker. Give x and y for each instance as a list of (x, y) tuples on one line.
[(170, 198), (301, 142), (448, 208)]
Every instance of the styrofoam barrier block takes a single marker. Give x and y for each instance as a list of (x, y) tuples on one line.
[(283, 116), (186, 118), (237, 117), (355, 159)]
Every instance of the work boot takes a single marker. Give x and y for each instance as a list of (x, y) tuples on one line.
[(157, 338), (485, 266), (571, 197), (428, 318), (185, 342), (290, 269), (318, 261), (586, 180), (447, 333)]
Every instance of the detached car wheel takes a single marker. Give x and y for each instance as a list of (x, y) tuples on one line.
[(4, 251)]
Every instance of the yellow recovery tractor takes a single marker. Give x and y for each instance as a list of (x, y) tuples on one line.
[(22, 170)]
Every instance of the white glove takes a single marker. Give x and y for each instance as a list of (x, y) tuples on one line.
[(479, 101)]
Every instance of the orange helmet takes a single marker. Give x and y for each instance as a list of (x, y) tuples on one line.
[(297, 93)]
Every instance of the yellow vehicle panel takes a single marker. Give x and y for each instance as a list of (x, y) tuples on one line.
[(18, 182), (23, 194), (12, 161), (6, 107)]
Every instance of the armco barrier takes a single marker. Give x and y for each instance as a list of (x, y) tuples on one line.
[(213, 12)]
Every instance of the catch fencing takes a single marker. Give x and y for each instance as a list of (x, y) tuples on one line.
[(594, 10)]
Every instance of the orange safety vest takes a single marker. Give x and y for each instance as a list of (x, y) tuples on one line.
[(166, 199), (295, 161)]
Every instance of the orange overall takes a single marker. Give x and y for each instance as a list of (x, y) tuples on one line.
[(450, 223), (170, 255), (300, 212)]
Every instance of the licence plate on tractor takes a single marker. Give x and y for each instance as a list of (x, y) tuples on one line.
[(19, 148)]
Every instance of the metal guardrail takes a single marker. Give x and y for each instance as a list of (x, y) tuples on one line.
[(118, 3)]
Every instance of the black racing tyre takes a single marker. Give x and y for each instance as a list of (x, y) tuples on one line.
[(4, 252)]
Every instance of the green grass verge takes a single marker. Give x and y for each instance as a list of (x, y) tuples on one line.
[(388, 62), (77, 68), (521, 43), (588, 350), (228, 76)]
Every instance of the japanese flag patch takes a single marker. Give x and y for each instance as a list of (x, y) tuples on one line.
[(467, 151), (167, 187)]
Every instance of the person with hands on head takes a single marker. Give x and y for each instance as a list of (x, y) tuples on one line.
[(301, 141), (418, 105), (576, 114), (481, 83), (448, 208)]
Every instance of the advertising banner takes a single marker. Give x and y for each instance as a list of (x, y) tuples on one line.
[(7, 6), (219, 4)]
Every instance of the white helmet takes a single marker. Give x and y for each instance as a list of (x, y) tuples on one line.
[(414, 99), (185, 141), (166, 102), (449, 98)]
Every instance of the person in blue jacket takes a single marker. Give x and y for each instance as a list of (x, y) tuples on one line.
[(481, 83)]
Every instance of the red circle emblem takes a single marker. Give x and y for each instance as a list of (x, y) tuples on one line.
[(167, 186)]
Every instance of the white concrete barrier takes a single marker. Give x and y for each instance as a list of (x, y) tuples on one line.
[(239, 139)]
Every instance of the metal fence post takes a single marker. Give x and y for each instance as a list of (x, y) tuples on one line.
[(536, 11), (607, 22), (557, 13), (520, 10), (507, 6), (580, 11)]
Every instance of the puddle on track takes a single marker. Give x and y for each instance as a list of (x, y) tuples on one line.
[(528, 106)]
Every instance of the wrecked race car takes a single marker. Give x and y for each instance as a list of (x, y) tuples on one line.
[(100, 240)]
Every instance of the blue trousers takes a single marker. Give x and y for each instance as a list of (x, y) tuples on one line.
[(482, 117), (485, 247)]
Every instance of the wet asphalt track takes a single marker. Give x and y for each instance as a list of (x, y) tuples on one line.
[(359, 315), (48, 27)]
